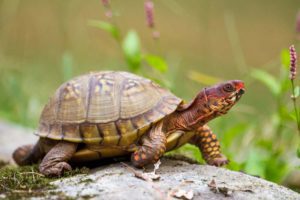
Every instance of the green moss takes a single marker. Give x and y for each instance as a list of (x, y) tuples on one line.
[(3, 163), (25, 178), (83, 170), (26, 181)]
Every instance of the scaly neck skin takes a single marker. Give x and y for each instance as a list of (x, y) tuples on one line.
[(191, 118)]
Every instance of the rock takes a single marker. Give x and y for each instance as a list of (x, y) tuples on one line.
[(116, 181), (177, 178), (13, 136)]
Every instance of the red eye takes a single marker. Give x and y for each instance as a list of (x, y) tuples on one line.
[(228, 88)]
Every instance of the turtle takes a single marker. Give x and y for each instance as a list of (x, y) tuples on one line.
[(115, 113)]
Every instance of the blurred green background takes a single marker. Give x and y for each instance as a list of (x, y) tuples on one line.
[(44, 43)]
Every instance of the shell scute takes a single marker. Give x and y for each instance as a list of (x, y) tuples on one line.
[(71, 133), (90, 133)]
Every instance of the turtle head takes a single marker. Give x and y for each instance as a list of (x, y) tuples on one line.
[(208, 104), (220, 98)]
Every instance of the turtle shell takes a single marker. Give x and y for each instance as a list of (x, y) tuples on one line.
[(108, 108)]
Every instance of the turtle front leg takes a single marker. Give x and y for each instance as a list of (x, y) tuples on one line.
[(153, 146), (55, 161), (209, 146)]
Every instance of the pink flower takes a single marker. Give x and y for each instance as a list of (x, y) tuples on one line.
[(149, 10), (105, 3), (293, 63)]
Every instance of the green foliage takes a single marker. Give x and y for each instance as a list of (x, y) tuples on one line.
[(132, 50), (255, 163), (268, 158), (189, 151), (106, 26), (156, 62), (268, 80), (16, 104), (296, 92), (233, 132)]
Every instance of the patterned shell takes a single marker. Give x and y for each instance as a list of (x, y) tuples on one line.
[(109, 108)]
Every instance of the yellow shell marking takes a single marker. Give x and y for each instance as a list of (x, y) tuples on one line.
[(90, 133), (110, 134)]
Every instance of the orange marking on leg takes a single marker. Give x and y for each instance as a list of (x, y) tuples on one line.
[(212, 144), (206, 134), (215, 148), (214, 137), (209, 149), (136, 157), (208, 140)]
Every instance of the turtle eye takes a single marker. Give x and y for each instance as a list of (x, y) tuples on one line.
[(228, 88)]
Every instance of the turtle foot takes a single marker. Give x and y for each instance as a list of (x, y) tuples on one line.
[(55, 170), (218, 161)]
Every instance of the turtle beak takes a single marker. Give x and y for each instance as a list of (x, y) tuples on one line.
[(241, 92), (239, 85), (240, 88)]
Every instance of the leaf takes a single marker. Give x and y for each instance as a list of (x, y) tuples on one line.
[(285, 58), (131, 50), (149, 177), (231, 133), (268, 80), (297, 91), (255, 164), (276, 166), (106, 26), (156, 62), (182, 194), (156, 166)]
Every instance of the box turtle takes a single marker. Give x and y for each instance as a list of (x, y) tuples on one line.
[(112, 113)]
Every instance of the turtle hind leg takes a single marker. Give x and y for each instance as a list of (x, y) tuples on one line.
[(209, 146), (28, 154), (153, 147), (55, 161)]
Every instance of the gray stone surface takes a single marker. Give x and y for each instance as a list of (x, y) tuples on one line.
[(116, 181), (12, 136)]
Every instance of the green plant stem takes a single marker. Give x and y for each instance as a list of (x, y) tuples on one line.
[(294, 99)]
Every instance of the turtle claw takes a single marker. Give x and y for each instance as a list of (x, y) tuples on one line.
[(219, 161), (56, 170)]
